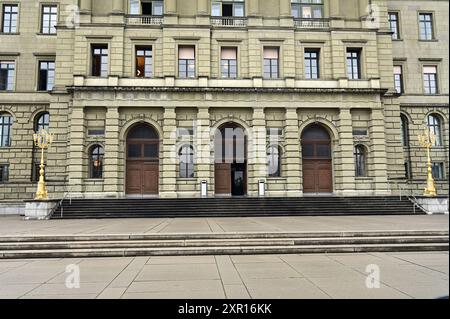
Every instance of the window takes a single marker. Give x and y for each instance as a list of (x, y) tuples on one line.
[(271, 63), (96, 162), (307, 9), (46, 75), (4, 173), (426, 26), (186, 161), (228, 8), (228, 63), (9, 18), (274, 161), (354, 64), (7, 69), (148, 8), (312, 64), (100, 60), (394, 25), (434, 125), (186, 62), (404, 130), (398, 79), (430, 79), (6, 121), (360, 132), (408, 173), (144, 62), (42, 122), (360, 161), (49, 19), (438, 170)]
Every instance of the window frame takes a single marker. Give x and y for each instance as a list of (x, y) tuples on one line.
[(96, 173), (270, 61), (397, 25), (148, 74), (186, 73), (48, 85), (358, 59), (10, 87), (441, 170), (186, 170), (401, 80), (2, 29), (4, 173), (299, 4), (100, 46), (404, 126), (310, 59), (435, 127), (431, 22), (41, 21), (228, 63), (426, 80), (6, 127), (233, 3), (360, 151), (271, 156), (45, 123)]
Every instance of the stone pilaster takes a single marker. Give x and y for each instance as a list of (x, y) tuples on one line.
[(257, 153), (85, 6), (379, 169), (118, 6), (203, 159), (112, 152), (254, 16), (202, 7), (363, 8), (292, 154), (334, 8), (286, 18), (76, 151), (345, 168), (168, 169)]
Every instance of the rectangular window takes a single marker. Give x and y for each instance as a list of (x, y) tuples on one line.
[(408, 173), (186, 62), (426, 26), (148, 8), (7, 69), (46, 75), (4, 173), (394, 25), (9, 18), (312, 64), (354, 64), (438, 171), (228, 63), (430, 79), (144, 62), (100, 60), (398, 78), (49, 17), (271, 62), (228, 8), (307, 9)]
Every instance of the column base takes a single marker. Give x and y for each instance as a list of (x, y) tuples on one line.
[(39, 210)]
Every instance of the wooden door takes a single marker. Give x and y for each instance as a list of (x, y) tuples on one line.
[(222, 178), (142, 178), (150, 175)]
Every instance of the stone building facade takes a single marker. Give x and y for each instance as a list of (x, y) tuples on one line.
[(135, 93)]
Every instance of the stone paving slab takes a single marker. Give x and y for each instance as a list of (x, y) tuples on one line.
[(402, 275), (15, 225)]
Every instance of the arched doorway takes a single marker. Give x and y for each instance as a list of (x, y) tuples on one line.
[(317, 163), (230, 144), (142, 176)]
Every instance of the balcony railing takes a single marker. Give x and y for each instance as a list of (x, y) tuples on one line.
[(312, 23), (228, 22), (145, 20)]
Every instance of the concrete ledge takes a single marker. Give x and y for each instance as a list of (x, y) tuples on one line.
[(434, 205), (39, 210), (12, 208)]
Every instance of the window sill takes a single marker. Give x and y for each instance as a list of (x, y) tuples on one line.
[(46, 34), (276, 178), (9, 33), (94, 180), (432, 40), (399, 40)]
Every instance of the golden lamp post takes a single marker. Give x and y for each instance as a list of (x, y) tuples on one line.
[(42, 139), (427, 140)]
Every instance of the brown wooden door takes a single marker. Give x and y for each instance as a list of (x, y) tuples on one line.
[(222, 178), (142, 178)]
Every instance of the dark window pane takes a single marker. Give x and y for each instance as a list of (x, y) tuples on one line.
[(134, 150), (151, 150)]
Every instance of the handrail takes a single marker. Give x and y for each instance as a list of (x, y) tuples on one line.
[(65, 195), (312, 23), (229, 21)]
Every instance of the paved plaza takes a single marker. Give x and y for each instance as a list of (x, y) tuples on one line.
[(402, 275)]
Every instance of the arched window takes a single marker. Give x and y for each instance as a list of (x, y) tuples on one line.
[(274, 161), (6, 121), (404, 130), (96, 155), (42, 122), (186, 161), (434, 125), (360, 161)]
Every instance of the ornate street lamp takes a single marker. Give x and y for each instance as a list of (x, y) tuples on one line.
[(427, 140), (42, 139)]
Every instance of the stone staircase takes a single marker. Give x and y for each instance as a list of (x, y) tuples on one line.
[(233, 207), (160, 244)]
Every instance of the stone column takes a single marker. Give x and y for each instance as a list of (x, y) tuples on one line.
[(257, 153), (285, 8), (378, 152), (203, 158), (169, 156), (76, 151), (202, 7), (292, 154), (170, 6), (345, 163), (85, 6), (112, 152), (118, 6)]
